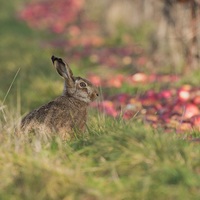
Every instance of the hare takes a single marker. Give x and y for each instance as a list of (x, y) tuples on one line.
[(68, 111)]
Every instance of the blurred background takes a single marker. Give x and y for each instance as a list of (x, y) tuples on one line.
[(113, 43)]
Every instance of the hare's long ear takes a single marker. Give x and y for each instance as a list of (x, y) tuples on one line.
[(64, 70)]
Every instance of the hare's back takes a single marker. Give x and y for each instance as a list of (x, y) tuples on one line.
[(62, 113), (38, 115)]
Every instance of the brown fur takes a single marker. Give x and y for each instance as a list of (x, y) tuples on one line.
[(64, 114)]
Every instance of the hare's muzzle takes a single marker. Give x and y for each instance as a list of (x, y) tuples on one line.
[(94, 95)]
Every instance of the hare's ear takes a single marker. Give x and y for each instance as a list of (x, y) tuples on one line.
[(63, 69)]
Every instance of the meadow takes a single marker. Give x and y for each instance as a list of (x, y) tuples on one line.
[(115, 158)]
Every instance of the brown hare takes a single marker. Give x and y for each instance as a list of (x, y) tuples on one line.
[(66, 113)]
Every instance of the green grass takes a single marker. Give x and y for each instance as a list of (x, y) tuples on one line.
[(113, 159)]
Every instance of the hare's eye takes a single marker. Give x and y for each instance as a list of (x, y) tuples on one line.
[(82, 84)]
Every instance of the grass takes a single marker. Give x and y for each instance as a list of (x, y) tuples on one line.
[(113, 159)]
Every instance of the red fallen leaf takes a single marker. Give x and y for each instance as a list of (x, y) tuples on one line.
[(176, 116), (116, 81), (128, 114), (165, 117), (152, 78), (178, 108), (147, 101), (149, 98), (122, 98), (190, 110), (196, 120), (151, 110), (185, 110), (109, 108), (140, 77), (196, 100), (151, 94), (165, 94), (184, 93), (53, 15), (162, 78), (158, 106)]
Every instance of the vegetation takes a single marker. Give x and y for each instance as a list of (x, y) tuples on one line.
[(113, 159)]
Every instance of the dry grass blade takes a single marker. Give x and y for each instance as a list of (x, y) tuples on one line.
[(8, 91)]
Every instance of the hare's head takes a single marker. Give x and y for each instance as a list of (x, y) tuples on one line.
[(77, 87)]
